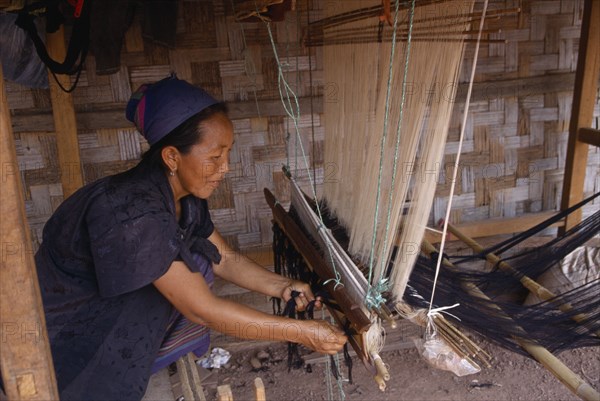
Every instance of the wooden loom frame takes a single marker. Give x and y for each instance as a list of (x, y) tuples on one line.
[(25, 360), (580, 135)]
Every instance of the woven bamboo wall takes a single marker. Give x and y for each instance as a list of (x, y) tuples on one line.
[(512, 162), (514, 155)]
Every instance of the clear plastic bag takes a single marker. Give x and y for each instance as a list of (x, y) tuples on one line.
[(434, 349), (20, 61)]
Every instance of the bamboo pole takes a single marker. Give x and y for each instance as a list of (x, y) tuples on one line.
[(533, 286), (25, 358), (65, 125), (554, 365)]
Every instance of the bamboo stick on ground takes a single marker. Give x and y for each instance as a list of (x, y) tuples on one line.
[(566, 376)]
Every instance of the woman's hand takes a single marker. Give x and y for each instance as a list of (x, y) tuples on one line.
[(305, 295), (321, 336)]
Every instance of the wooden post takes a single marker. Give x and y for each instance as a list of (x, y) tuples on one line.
[(64, 120), (224, 393), (25, 359), (584, 99), (259, 390)]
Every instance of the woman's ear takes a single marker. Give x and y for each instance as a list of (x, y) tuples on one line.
[(170, 157)]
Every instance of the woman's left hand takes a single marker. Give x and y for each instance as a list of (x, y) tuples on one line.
[(305, 296)]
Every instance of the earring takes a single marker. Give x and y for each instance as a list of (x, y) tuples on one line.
[(172, 173)]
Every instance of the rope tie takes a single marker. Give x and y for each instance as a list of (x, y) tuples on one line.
[(374, 298), (442, 309)]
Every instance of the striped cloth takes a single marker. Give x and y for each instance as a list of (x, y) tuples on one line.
[(181, 338)]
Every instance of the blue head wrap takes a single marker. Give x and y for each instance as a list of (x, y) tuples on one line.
[(156, 109)]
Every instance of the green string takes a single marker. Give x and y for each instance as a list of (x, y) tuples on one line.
[(374, 297), (287, 94)]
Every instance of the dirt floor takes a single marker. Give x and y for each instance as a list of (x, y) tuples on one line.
[(512, 377)]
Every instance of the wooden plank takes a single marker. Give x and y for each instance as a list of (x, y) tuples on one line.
[(491, 227), (584, 100), (590, 136), (25, 358), (196, 383), (64, 120), (185, 379)]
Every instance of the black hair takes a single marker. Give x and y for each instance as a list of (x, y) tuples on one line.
[(184, 136)]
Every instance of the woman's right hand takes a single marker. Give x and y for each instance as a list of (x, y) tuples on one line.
[(321, 336)]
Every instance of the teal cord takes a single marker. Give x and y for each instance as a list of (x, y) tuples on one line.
[(286, 94), (293, 112), (374, 298), (398, 129)]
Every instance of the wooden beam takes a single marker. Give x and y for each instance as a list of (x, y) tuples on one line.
[(584, 100), (486, 228), (113, 115), (64, 120), (589, 136), (25, 358)]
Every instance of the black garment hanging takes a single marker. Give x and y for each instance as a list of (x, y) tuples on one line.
[(78, 43)]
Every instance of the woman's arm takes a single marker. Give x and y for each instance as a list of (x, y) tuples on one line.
[(190, 294), (244, 272)]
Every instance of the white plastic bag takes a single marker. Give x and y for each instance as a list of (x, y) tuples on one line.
[(217, 358), (434, 349)]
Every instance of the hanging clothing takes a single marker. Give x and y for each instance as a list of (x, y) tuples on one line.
[(160, 21), (101, 251), (110, 19)]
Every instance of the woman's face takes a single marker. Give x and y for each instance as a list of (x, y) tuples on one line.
[(200, 171)]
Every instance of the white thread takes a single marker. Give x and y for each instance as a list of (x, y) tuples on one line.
[(460, 143)]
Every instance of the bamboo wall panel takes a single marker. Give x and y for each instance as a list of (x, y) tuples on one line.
[(514, 151)]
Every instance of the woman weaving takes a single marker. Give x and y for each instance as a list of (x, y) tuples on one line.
[(127, 262)]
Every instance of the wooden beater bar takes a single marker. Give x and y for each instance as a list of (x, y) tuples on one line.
[(554, 365), (358, 320)]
